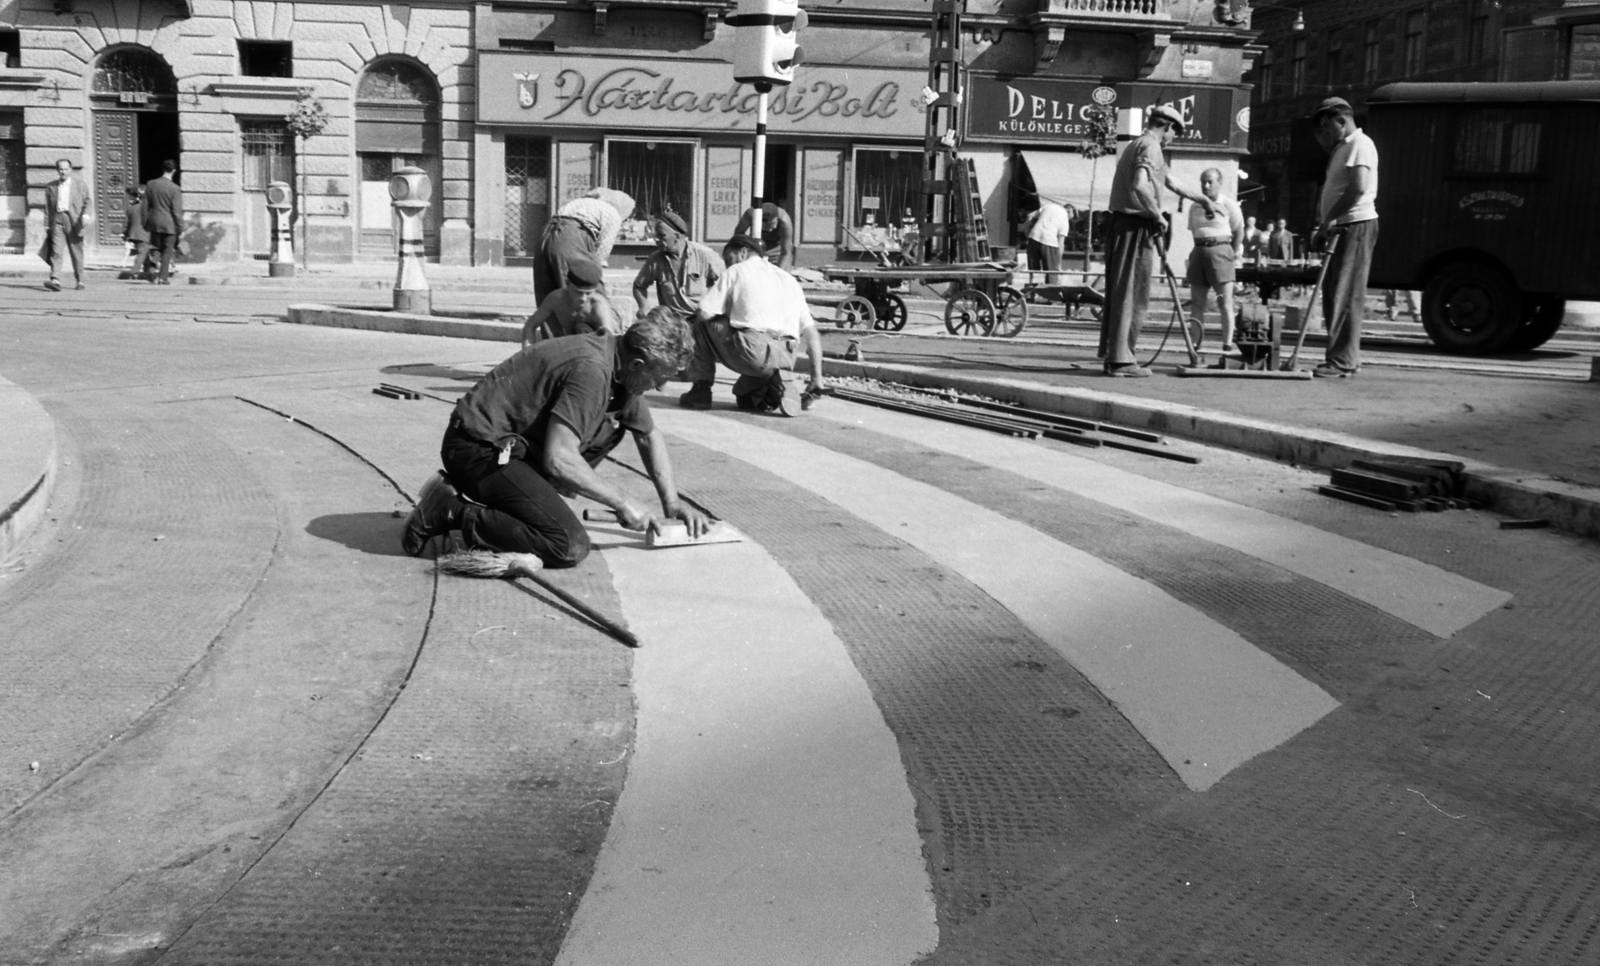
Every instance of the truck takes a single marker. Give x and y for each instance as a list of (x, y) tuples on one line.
[(1490, 205)]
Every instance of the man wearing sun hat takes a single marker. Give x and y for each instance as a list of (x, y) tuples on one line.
[(680, 269), (1348, 210), (1135, 236)]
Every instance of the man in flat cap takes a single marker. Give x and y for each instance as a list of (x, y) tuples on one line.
[(1348, 212), (584, 229), (750, 321), (777, 234), (576, 308), (680, 269), (1136, 234)]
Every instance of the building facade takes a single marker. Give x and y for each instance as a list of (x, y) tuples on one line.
[(518, 105), (1313, 49)]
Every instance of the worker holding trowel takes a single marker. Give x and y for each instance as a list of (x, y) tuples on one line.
[(532, 430)]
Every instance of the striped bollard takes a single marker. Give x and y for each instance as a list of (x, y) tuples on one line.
[(410, 187)]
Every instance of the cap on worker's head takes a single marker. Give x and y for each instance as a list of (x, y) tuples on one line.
[(744, 241), (769, 209), (582, 273), (1331, 105), (1167, 113), (674, 221)]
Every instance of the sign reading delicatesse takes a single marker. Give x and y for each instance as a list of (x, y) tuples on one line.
[(692, 95), (1051, 111)]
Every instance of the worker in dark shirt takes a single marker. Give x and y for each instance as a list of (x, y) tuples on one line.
[(532, 430)]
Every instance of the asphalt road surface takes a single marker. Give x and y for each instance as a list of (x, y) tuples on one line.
[(958, 698)]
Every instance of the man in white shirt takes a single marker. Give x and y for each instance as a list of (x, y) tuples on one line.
[(1045, 228), (1349, 211), (1218, 245), (750, 321)]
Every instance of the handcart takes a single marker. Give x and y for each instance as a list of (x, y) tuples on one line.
[(981, 299)]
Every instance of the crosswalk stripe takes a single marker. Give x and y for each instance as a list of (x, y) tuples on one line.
[(1425, 596), (766, 815), (1206, 699)]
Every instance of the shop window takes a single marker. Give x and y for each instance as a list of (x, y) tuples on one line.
[(11, 47), (887, 188), (1530, 54), (1497, 142), (1583, 57), (1297, 75), (1335, 63), (13, 163), (266, 58), (658, 176), (268, 153)]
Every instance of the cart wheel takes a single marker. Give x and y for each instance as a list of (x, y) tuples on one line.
[(854, 312), (894, 314), (1010, 313), (969, 312)]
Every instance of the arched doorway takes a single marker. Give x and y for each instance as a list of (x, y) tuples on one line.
[(134, 100), (397, 124)]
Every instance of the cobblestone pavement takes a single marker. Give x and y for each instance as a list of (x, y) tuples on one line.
[(957, 699)]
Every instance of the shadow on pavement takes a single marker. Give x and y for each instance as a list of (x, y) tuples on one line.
[(374, 533)]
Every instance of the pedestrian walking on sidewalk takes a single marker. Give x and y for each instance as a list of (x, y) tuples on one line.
[(163, 217), (1132, 238), (1349, 209), (66, 212), (1218, 245), (135, 234), (584, 229)]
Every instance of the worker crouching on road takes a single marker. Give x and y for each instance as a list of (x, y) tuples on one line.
[(533, 429), (1136, 235), (584, 229), (750, 321), (680, 268), (1349, 209), (577, 308)]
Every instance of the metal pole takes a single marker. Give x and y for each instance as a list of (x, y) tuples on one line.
[(762, 91), (305, 222)]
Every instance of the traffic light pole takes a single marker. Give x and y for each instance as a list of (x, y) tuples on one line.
[(757, 196)]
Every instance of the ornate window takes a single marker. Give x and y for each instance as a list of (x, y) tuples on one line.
[(398, 82), (133, 70)]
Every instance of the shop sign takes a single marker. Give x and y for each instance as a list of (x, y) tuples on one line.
[(693, 95), (1491, 205), (1051, 111)]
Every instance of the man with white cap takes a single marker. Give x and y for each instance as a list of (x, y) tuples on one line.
[(1349, 209), (1135, 235)]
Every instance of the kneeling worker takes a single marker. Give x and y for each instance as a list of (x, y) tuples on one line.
[(534, 428), (750, 321), (578, 307)]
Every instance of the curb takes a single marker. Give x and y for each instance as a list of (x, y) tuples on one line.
[(1575, 509), (28, 475), (377, 320)]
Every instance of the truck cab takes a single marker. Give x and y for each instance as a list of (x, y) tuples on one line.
[(1489, 204)]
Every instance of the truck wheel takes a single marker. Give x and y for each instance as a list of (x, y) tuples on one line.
[(1541, 317), (1472, 308)]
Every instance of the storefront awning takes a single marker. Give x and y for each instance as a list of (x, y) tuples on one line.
[(1067, 177)]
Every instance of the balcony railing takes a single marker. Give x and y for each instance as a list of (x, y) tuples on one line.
[(1104, 8)]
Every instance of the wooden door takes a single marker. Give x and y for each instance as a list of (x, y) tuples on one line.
[(116, 167)]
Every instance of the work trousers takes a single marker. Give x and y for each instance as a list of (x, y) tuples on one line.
[(755, 354), (1130, 252), (521, 510), (65, 240), (565, 240), (165, 242), (1047, 258), (1344, 293)]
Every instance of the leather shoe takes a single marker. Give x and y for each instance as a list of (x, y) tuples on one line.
[(1326, 371), (1131, 371), (698, 396), (438, 511), (53, 285)]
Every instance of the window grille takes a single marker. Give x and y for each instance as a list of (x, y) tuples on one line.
[(268, 153), (527, 192)]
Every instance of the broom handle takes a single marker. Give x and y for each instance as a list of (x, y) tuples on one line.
[(600, 620), (1305, 319)]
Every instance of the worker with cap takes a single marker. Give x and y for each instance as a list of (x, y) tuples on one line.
[(533, 429), (777, 234), (750, 321), (1136, 234), (1349, 210), (680, 269), (584, 228), (575, 308)]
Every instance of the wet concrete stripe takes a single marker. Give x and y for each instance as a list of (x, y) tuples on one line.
[(1206, 699), (1418, 593), (766, 812)]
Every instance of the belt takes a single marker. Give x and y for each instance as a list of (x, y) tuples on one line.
[(1207, 242)]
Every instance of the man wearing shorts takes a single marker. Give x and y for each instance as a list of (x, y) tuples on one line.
[(1218, 246)]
